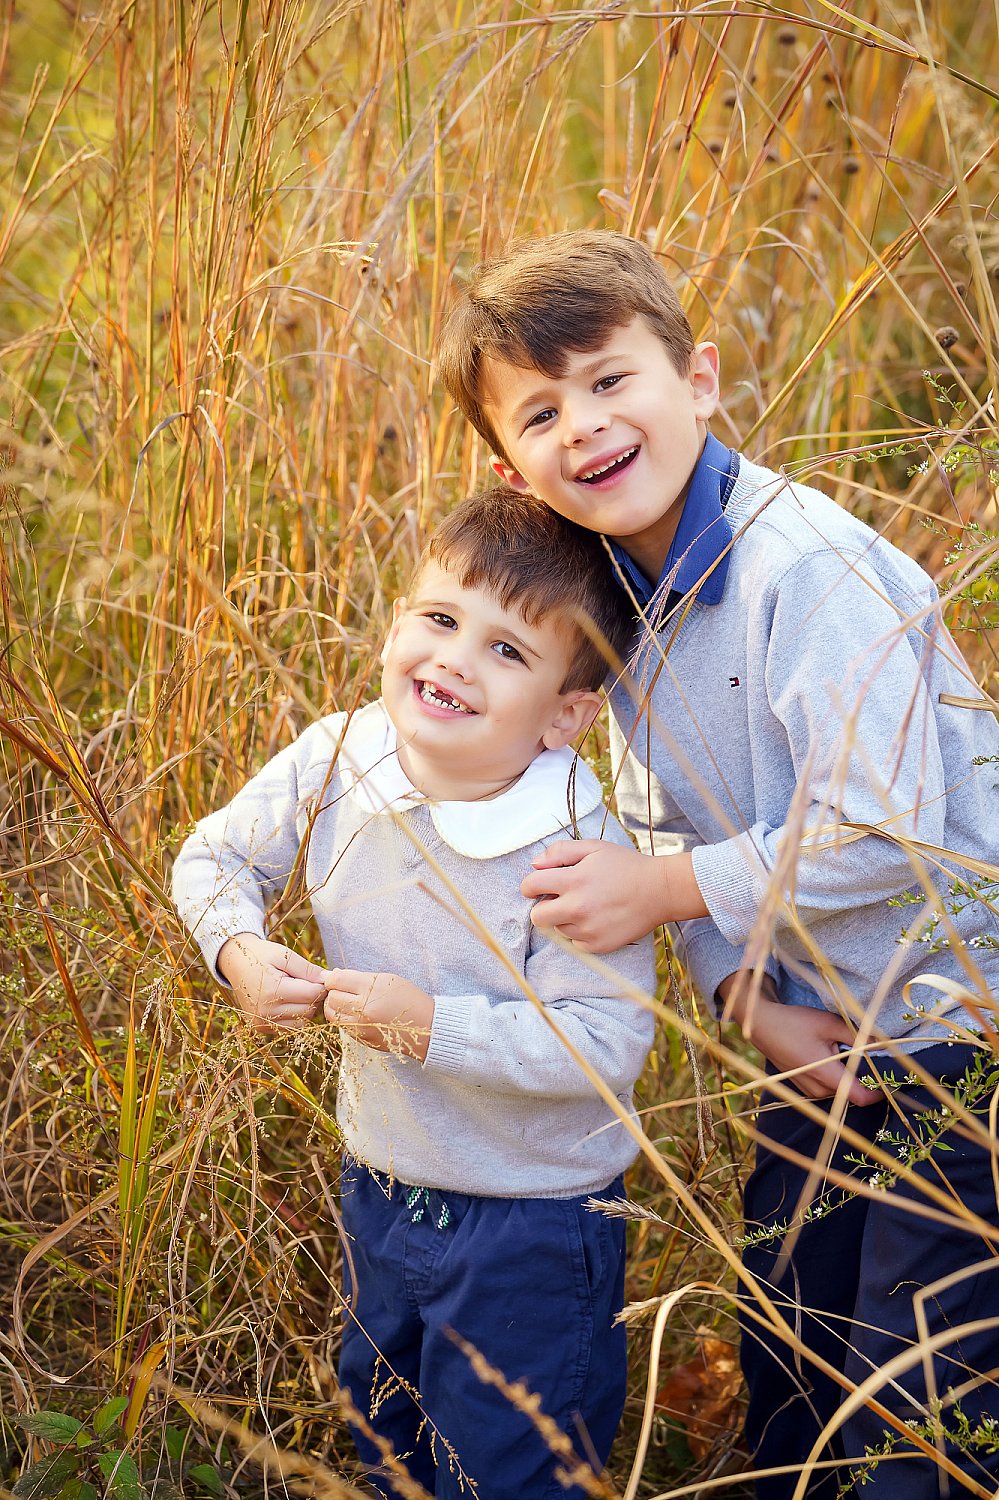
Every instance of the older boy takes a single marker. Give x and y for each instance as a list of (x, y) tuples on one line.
[(486, 1081), (807, 734)]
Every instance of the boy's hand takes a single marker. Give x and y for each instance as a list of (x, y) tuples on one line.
[(604, 896), (273, 986), (383, 1011), (793, 1037)]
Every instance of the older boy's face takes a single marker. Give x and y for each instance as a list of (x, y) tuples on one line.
[(612, 443), (473, 689)]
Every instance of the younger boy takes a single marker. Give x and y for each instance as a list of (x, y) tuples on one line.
[(481, 1058), (802, 722)]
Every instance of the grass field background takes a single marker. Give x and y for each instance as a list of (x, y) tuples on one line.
[(227, 236)]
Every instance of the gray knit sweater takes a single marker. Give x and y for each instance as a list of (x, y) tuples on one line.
[(804, 742), (432, 892)]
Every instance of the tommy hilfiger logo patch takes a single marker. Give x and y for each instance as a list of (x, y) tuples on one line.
[(734, 682)]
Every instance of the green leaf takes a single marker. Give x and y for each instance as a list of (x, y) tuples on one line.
[(78, 1489), (176, 1442), (121, 1474), (207, 1475), (55, 1426), (108, 1414), (47, 1477)]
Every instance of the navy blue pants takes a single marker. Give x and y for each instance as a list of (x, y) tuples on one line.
[(532, 1283), (848, 1290)]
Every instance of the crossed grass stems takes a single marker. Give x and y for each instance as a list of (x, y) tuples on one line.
[(225, 251)]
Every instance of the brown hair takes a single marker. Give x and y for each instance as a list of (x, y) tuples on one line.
[(548, 297), (530, 557)]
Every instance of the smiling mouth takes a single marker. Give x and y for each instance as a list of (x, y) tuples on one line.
[(591, 476), (437, 698)]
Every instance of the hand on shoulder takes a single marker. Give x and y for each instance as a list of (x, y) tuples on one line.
[(604, 896)]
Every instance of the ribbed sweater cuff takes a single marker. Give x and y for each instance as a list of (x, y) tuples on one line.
[(211, 939), (730, 878), (449, 1041)]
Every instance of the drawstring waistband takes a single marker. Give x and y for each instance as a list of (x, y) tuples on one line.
[(418, 1199)]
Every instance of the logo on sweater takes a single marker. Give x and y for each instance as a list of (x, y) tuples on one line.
[(734, 682)]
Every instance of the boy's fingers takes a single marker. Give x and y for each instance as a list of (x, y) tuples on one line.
[(822, 1082), (292, 963), (566, 852), (581, 942), (551, 916), (550, 913), (281, 1018), (290, 991), (348, 981), (843, 1035), (349, 996), (858, 1094), (344, 1007), (553, 881)]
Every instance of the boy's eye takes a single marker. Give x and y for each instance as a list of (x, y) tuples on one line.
[(539, 417), (606, 381), (440, 618), (508, 652)]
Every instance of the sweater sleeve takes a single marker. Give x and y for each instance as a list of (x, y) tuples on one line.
[(849, 680), (509, 1046), (241, 856), (658, 826)]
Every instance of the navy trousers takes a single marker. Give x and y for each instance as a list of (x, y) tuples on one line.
[(850, 1290), (532, 1284)]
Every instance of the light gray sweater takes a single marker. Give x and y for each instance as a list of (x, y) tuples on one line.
[(803, 741), (400, 885)]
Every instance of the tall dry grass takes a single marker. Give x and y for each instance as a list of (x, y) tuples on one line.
[(227, 236)]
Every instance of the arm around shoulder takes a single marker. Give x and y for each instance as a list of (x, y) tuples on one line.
[(600, 1007)]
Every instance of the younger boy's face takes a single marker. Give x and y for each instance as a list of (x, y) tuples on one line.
[(473, 689), (612, 443)]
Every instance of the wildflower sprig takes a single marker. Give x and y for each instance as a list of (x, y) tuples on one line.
[(926, 1129), (958, 1432), (960, 895), (820, 1209)]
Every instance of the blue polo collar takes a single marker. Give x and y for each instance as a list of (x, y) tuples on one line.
[(703, 538)]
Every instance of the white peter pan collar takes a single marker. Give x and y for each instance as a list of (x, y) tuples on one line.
[(555, 788)]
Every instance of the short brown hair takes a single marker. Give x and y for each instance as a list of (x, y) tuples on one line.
[(546, 298), (529, 556)]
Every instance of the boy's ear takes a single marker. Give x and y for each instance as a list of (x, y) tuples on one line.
[(398, 606), (575, 715), (509, 475), (703, 379)]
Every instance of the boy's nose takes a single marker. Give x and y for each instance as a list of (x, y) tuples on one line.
[(582, 417), (453, 657)]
